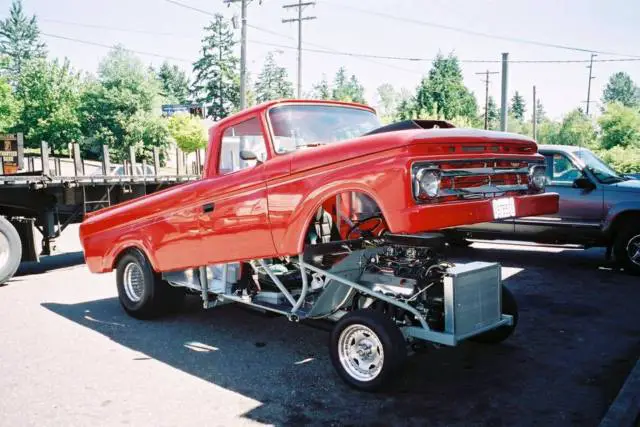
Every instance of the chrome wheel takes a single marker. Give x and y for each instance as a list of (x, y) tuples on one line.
[(360, 352), (4, 250), (633, 250), (133, 281)]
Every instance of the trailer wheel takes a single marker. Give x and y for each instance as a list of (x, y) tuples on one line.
[(366, 349), (10, 250), (496, 336), (141, 291)]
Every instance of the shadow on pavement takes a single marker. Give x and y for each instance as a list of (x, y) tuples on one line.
[(52, 262), (578, 330)]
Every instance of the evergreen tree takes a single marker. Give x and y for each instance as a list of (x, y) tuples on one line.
[(443, 93), (19, 40), (356, 90), (174, 83), (493, 114), (273, 81), (622, 89), (518, 106), (217, 79), (347, 88), (321, 89)]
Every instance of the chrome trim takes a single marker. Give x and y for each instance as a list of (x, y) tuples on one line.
[(483, 171)]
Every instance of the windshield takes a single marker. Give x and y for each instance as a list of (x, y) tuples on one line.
[(600, 169), (300, 126)]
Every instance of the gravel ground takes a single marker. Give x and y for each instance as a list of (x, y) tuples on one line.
[(70, 356)]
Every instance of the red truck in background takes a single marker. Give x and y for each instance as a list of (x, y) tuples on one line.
[(313, 210)]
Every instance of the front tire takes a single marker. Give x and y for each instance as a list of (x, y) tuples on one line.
[(627, 248), (141, 291), (496, 336), (367, 349), (10, 250)]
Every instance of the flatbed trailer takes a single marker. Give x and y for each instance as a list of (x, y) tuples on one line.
[(48, 200)]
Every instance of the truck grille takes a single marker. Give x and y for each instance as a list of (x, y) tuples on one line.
[(472, 298), (480, 179)]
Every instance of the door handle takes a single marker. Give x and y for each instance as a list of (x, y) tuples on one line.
[(208, 207)]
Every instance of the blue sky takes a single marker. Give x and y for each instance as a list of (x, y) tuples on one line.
[(592, 24)]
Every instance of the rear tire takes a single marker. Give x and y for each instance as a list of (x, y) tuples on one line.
[(626, 248), (367, 349), (10, 250), (141, 291), (496, 336)]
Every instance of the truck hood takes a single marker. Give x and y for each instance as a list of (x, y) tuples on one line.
[(312, 157), (631, 185)]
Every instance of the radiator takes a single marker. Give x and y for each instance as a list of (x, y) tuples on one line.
[(472, 298)]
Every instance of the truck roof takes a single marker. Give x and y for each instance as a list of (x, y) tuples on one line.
[(563, 148)]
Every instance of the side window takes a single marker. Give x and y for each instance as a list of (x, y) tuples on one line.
[(245, 135), (562, 170)]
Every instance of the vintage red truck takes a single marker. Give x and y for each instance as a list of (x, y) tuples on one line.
[(313, 210)]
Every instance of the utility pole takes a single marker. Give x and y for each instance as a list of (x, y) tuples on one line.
[(534, 125), (300, 5), (503, 98), (486, 96), (591, 77), (243, 50)]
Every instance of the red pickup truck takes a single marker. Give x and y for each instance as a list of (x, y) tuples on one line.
[(312, 209)]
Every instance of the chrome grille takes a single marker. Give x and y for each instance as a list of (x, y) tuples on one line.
[(477, 179)]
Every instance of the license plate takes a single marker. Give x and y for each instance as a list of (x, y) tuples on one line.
[(504, 208)]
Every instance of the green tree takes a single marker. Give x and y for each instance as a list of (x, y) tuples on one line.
[(547, 131), (518, 106), (493, 114), (576, 129), (273, 81), (321, 90), (120, 108), (347, 88), (49, 93), (442, 92), (174, 83), (387, 100), (9, 107), (217, 79), (19, 40), (541, 115), (620, 127), (188, 132), (620, 88)]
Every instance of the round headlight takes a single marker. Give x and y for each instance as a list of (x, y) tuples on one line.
[(429, 182), (538, 177)]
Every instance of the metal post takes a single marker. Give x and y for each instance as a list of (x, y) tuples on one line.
[(156, 160), (77, 160), (106, 160), (44, 157), (534, 125), (132, 157), (505, 94)]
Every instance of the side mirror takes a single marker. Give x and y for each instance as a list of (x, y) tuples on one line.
[(583, 183), (248, 155)]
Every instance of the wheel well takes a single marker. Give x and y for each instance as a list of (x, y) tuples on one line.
[(622, 219), (125, 251), (345, 209)]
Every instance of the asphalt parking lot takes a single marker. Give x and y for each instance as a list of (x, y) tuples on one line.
[(70, 356)]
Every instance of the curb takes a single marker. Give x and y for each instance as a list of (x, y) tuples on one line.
[(625, 409)]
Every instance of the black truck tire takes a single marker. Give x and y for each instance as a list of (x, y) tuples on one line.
[(496, 336), (10, 250), (141, 291), (627, 245), (383, 345)]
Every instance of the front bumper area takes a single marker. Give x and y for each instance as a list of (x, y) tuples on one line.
[(422, 218)]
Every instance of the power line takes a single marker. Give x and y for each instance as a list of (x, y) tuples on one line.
[(477, 33), (139, 52)]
